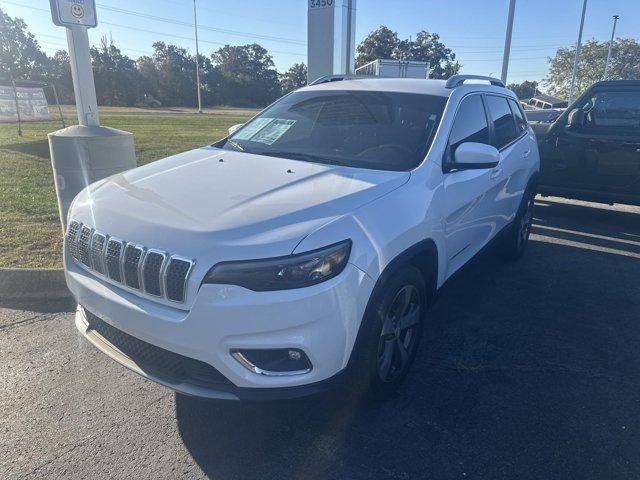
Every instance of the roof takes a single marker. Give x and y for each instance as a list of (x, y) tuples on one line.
[(617, 83), (404, 85)]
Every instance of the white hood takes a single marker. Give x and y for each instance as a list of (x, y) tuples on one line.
[(215, 205)]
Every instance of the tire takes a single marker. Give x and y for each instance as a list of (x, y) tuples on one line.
[(393, 327), (517, 235)]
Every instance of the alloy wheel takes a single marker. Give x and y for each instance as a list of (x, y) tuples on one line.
[(526, 222), (399, 333)]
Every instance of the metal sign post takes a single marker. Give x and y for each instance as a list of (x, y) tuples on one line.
[(330, 37), (84, 153)]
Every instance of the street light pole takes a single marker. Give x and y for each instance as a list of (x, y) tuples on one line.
[(507, 41), (613, 32), (576, 60), (195, 21)]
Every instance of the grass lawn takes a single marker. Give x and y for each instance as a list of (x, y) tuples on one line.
[(30, 231)]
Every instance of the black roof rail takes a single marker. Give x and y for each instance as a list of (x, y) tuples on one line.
[(338, 77), (457, 80)]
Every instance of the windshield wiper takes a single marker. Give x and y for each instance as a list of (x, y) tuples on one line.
[(236, 145), (308, 157)]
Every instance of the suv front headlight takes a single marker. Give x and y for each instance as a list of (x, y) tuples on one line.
[(283, 273)]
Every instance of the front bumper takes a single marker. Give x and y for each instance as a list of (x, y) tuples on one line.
[(322, 321)]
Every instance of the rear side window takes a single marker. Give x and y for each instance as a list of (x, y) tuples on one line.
[(470, 124), (618, 110), (521, 123), (504, 127)]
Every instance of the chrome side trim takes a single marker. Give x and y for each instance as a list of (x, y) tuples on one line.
[(244, 361)]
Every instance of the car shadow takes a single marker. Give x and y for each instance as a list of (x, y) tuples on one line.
[(527, 370)]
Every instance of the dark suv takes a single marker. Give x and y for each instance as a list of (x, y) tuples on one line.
[(592, 151)]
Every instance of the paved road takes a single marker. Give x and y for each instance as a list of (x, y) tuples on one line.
[(529, 370)]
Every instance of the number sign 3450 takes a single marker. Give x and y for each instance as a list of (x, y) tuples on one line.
[(320, 3)]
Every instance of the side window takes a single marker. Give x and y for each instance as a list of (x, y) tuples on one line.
[(470, 124), (620, 110), (521, 123), (504, 126)]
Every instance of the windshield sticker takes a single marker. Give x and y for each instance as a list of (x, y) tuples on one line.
[(273, 131), (252, 128)]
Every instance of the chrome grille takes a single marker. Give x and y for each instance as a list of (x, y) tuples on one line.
[(112, 259), (151, 269), (175, 278), (132, 256), (72, 238), (83, 245), (131, 265), (98, 243)]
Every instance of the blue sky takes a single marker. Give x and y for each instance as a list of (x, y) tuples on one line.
[(473, 29)]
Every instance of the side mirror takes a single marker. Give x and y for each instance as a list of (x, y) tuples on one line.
[(576, 118), (471, 155), (235, 128)]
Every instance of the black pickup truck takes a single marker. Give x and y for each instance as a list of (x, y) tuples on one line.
[(592, 151)]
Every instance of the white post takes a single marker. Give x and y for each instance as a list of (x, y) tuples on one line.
[(507, 41), (195, 21), (82, 154), (576, 60), (330, 37), (82, 74), (613, 33)]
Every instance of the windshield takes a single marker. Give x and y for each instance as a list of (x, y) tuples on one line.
[(366, 129)]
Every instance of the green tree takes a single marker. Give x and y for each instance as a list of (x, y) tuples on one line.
[(625, 64), (20, 54), (59, 74), (383, 43), (169, 75), (427, 47), (524, 90), (294, 78), (116, 77), (246, 75)]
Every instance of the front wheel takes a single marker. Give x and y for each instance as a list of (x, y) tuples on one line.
[(517, 236), (393, 332)]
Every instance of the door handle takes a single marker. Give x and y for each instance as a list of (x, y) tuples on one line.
[(526, 153), (496, 173)]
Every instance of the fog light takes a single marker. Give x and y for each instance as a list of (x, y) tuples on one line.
[(295, 355), (274, 362)]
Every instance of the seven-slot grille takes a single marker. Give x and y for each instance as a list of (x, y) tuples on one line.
[(150, 271)]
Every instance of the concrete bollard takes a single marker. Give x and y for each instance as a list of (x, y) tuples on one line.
[(81, 155)]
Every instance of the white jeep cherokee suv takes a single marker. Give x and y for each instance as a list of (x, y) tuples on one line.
[(303, 248)]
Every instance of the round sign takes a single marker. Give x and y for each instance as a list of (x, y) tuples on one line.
[(77, 10)]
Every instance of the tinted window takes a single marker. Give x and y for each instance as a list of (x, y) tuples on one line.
[(366, 129), (620, 110), (521, 123), (470, 124), (504, 127)]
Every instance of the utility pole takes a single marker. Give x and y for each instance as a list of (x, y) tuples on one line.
[(576, 60), (195, 21), (507, 41), (613, 32)]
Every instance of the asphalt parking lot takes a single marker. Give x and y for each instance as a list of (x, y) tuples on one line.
[(528, 370)]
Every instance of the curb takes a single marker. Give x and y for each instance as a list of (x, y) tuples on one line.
[(37, 285)]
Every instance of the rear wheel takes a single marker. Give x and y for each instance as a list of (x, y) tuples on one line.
[(517, 237), (393, 332)]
